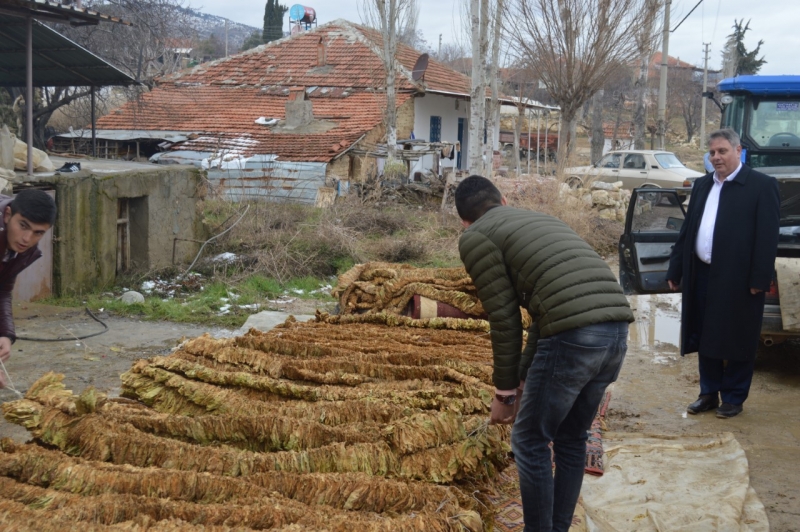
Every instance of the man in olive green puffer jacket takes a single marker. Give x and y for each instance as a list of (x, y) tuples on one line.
[(575, 347)]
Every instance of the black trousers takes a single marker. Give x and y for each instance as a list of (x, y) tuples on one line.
[(731, 379)]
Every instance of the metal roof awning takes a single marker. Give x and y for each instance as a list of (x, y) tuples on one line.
[(57, 61), (69, 12)]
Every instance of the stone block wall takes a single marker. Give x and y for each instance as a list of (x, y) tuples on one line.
[(610, 200)]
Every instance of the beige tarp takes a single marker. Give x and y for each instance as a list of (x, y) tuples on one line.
[(788, 271), (672, 484), (7, 141), (41, 162)]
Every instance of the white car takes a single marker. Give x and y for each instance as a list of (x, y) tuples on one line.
[(636, 168)]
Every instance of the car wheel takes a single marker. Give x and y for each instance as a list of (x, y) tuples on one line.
[(673, 200), (654, 198), (574, 182)]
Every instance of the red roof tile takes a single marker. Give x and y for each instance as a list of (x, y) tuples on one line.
[(221, 100), (224, 119), (352, 59)]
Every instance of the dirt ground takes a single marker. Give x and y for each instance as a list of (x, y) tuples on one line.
[(96, 361), (656, 384), (653, 390)]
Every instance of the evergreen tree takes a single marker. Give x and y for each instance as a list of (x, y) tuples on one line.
[(252, 41), (273, 21), (735, 57)]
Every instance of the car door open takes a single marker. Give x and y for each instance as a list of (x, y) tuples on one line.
[(652, 225)]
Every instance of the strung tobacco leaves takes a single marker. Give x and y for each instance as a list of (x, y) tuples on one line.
[(313, 426)]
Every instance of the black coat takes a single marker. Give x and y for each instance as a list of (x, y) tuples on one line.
[(744, 246)]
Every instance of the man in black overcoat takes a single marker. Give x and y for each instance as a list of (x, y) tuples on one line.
[(723, 262)]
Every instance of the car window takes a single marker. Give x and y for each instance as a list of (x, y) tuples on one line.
[(656, 212), (774, 124), (609, 161), (635, 161), (668, 160)]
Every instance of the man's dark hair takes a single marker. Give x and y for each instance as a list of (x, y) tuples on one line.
[(476, 195), (35, 205)]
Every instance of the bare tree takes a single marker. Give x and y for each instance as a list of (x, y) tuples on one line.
[(479, 32), (390, 17), (598, 135), (575, 45), (147, 48), (646, 41), (455, 56), (493, 67), (685, 96)]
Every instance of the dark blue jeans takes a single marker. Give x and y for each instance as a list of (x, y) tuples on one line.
[(563, 390)]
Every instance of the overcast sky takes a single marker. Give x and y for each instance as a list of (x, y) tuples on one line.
[(774, 21)]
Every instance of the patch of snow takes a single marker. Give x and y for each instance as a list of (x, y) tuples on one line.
[(225, 257), (282, 300), (321, 289), (148, 286)]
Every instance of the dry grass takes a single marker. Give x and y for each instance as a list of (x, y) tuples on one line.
[(285, 241)]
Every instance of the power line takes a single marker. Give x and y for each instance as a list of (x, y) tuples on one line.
[(687, 16), (716, 20)]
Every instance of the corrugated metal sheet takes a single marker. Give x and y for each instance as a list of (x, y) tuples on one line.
[(127, 135), (263, 178)]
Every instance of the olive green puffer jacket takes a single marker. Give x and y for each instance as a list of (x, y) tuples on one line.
[(524, 258)]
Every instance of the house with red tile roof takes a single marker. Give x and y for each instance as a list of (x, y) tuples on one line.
[(306, 105)]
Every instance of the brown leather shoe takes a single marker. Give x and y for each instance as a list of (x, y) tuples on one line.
[(727, 410), (704, 403)]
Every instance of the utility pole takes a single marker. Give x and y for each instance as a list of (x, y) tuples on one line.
[(439, 54), (703, 103), (662, 88), (226, 37)]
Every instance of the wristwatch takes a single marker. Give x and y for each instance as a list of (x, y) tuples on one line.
[(507, 400)]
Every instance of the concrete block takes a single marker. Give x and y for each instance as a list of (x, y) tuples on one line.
[(268, 319)]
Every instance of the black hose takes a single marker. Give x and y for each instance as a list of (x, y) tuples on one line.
[(89, 312)]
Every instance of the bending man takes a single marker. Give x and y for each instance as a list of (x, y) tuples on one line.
[(519, 258)]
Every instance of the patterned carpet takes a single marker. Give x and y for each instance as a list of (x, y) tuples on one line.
[(507, 502)]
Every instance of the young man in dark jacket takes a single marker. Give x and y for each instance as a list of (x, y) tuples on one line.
[(519, 258), (25, 220)]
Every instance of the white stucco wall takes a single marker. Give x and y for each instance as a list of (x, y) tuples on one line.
[(444, 106)]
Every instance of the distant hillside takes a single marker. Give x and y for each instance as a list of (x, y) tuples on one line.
[(207, 25)]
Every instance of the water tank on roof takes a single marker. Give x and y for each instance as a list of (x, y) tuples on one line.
[(303, 14)]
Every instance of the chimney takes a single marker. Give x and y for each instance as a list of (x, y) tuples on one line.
[(322, 52), (299, 111)]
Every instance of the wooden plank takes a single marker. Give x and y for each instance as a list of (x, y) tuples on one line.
[(788, 271)]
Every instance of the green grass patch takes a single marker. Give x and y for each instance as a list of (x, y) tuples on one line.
[(218, 303)]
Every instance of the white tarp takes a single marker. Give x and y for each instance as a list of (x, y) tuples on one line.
[(788, 271), (672, 484)]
